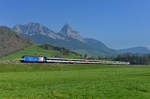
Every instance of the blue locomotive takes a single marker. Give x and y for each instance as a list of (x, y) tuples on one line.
[(39, 59)]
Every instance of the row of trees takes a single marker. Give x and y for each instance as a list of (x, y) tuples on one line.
[(134, 58), (126, 57)]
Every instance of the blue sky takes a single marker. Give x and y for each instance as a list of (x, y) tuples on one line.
[(117, 23)]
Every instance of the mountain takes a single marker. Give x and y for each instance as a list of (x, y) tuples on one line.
[(41, 50), (136, 50), (35, 31), (66, 37), (67, 33), (11, 42)]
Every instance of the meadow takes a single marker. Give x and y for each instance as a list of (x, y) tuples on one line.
[(74, 81), (36, 50)]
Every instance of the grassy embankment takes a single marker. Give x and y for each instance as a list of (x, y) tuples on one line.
[(47, 81), (36, 50)]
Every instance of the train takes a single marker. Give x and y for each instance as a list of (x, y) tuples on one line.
[(42, 59), (33, 59)]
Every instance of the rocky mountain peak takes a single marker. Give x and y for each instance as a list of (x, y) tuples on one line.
[(38, 26), (67, 29), (68, 32), (35, 29), (67, 26)]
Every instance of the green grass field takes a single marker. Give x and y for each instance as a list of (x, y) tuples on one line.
[(35, 50), (55, 81)]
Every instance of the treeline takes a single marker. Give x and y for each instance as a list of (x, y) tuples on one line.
[(134, 58)]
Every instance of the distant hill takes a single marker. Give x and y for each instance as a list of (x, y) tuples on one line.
[(67, 37), (11, 42), (136, 50), (42, 50)]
